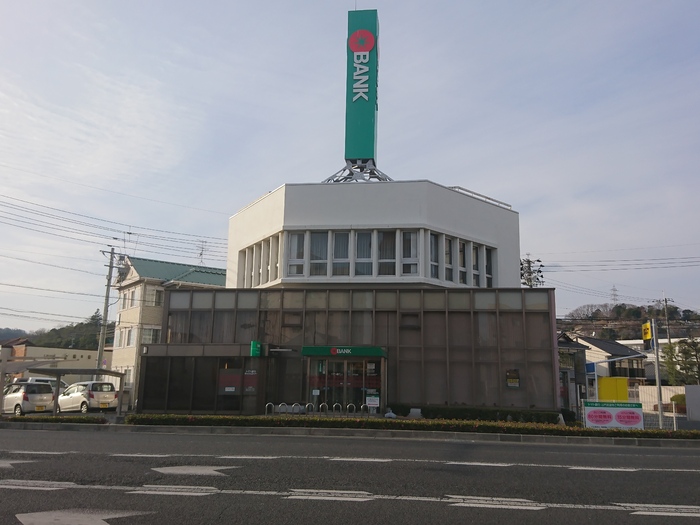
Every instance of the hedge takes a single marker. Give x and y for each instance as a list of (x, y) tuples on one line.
[(437, 425)]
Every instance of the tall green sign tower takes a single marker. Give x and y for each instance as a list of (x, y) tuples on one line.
[(361, 99)]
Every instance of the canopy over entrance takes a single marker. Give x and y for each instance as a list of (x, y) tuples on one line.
[(343, 351)]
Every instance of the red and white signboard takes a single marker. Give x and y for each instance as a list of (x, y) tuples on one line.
[(613, 415)]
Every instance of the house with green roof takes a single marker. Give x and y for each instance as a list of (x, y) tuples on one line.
[(141, 284)]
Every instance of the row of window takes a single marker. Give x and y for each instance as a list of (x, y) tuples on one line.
[(130, 298), (370, 253), (126, 337)]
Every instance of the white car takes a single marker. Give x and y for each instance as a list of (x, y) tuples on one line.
[(88, 395), (21, 398), (49, 380)]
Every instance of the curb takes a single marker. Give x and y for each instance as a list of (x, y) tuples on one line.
[(365, 433)]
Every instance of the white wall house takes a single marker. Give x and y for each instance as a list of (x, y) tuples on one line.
[(141, 284), (379, 233)]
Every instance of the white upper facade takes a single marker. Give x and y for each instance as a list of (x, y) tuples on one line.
[(384, 233)]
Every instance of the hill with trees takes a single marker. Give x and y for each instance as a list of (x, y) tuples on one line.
[(624, 321), (81, 336)]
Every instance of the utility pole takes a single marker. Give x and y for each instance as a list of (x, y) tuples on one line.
[(655, 342), (668, 326), (105, 311), (531, 272)]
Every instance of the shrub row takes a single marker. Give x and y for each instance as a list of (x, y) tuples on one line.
[(441, 425), (482, 413)]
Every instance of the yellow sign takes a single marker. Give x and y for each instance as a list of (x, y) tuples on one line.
[(646, 331)]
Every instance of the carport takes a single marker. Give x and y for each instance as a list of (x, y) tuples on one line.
[(82, 372)]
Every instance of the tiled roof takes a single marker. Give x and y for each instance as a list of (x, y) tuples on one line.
[(611, 347), (183, 273), (566, 342)]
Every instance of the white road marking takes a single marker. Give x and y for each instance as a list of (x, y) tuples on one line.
[(495, 503), (75, 517), (29, 484), (368, 460), (331, 495), (642, 509), (247, 457), (176, 490), (673, 514), (646, 509), (141, 455), (383, 460), (194, 470), (605, 469), (7, 463), (38, 452), (479, 464)]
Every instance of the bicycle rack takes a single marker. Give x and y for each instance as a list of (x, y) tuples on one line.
[(364, 407), (306, 408), (272, 407), (295, 406), (279, 408), (320, 408), (347, 409), (340, 408)]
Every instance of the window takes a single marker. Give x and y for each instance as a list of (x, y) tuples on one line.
[(154, 297), (133, 297), (124, 298), (387, 252), (489, 268), (341, 254), (434, 260), (117, 339), (475, 265), (296, 254), (319, 253), (409, 253), (151, 335), (448, 259), (129, 337), (462, 262), (363, 253)]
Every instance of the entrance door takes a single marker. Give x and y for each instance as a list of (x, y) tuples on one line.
[(345, 382), (354, 384)]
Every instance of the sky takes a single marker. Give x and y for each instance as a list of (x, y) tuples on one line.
[(144, 125)]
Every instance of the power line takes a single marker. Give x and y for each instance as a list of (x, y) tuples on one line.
[(112, 191), (50, 290), (51, 265), (128, 226)]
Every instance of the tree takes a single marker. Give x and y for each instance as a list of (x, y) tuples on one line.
[(682, 361)]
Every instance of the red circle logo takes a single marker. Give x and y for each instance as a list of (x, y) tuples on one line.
[(334, 351), (599, 417), (628, 418), (361, 41)]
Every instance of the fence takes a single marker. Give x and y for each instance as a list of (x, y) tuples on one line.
[(648, 396), (310, 409)]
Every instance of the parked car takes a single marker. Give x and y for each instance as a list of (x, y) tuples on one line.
[(50, 380), (22, 398), (88, 395)]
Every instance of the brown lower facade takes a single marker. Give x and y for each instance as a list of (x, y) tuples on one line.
[(241, 351)]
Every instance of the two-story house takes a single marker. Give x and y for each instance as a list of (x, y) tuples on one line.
[(141, 284)]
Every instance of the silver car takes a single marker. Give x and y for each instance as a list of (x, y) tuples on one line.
[(22, 398), (88, 395)]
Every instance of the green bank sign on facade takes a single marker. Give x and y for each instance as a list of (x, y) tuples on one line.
[(343, 351), (361, 100)]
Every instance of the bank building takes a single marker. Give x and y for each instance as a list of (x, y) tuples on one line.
[(359, 292)]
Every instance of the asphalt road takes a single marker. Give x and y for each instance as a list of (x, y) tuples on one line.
[(87, 478)]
